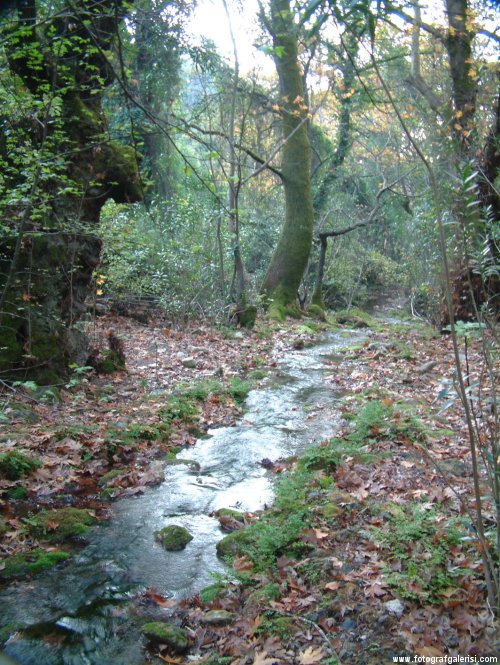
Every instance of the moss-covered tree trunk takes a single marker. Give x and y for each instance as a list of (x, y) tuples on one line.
[(290, 258), (59, 167)]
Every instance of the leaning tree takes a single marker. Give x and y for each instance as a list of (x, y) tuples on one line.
[(59, 167)]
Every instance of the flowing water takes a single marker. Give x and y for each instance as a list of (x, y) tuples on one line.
[(81, 613)]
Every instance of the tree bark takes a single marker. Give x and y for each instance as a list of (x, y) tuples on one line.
[(49, 248), (289, 261)]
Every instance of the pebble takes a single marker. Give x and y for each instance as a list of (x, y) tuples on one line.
[(395, 607)]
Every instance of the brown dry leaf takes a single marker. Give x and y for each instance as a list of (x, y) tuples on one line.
[(170, 659), (311, 656), (332, 586), (429, 651), (261, 658), (242, 564), (320, 535)]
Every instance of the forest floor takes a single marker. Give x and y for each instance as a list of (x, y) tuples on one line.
[(382, 564)]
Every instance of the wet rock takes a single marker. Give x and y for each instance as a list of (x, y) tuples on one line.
[(395, 607), (159, 632), (218, 617), (189, 362), (349, 624), (230, 520), (173, 538), (298, 344), (351, 320)]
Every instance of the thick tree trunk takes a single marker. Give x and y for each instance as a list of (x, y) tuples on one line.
[(290, 258), (48, 249)]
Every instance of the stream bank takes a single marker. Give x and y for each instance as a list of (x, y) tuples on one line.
[(81, 612), (330, 590)]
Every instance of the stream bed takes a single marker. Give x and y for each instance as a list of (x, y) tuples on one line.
[(81, 613)]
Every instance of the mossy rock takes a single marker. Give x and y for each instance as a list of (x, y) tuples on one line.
[(158, 632), (229, 512), (173, 538), (29, 563), (193, 465), (6, 631), (108, 477), (234, 543), (316, 312), (218, 618), (61, 523), (15, 465)]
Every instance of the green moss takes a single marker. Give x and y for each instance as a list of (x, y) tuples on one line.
[(173, 538), (276, 311), (234, 543), (15, 465), (247, 316), (112, 361), (239, 389), (3, 527), (7, 630), (229, 512), (30, 562), (258, 374), (316, 312), (355, 318), (294, 311), (317, 300), (60, 523), (17, 494), (107, 477), (159, 632)]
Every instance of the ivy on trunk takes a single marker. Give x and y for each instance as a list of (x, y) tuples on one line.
[(60, 167)]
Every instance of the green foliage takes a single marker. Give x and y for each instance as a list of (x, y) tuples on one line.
[(15, 465), (165, 252)]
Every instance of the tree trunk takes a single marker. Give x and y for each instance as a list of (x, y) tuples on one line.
[(48, 247), (289, 261)]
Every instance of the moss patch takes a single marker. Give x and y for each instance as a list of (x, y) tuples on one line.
[(60, 524), (28, 563), (15, 465)]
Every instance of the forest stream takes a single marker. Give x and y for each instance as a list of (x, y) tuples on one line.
[(82, 612)]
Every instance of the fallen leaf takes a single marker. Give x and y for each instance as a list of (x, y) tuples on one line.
[(311, 656), (242, 564), (332, 586), (261, 658)]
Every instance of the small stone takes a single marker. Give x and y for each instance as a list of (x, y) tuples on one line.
[(189, 362), (395, 607), (159, 632), (218, 617), (173, 537)]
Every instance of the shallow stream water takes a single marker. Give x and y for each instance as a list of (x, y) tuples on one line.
[(85, 605)]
